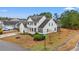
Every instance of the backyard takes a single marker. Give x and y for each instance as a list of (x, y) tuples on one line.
[(53, 41)]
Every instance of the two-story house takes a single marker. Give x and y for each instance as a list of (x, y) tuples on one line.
[(39, 24)]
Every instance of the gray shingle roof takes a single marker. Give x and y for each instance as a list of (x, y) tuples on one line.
[(24, 23), (10, 22), (44, 23), (36, 18)]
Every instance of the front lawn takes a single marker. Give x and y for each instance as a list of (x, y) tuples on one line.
[(53, 40)]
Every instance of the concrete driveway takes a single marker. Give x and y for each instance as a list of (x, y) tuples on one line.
[(7, 46)]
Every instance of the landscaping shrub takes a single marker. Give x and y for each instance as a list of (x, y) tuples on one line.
[(38, 37), (1, 31)]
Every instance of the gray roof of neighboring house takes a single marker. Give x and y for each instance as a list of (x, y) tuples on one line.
[(35, 18), (44, 23), (22, 19), (14, 19), (10, 22), (24, 23)]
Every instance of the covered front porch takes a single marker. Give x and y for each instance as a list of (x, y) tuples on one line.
[(32, 30)]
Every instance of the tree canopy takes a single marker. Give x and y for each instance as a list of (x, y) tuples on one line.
[(70, 19), (4, 18), (47, 14)]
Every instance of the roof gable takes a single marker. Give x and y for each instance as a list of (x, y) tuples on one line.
[(22, 22), (35, 18), (45, 22), (29, 19)]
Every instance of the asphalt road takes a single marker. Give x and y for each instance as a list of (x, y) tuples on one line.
[(7, 46)]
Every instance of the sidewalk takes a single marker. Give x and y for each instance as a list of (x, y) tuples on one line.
[(7, 35)]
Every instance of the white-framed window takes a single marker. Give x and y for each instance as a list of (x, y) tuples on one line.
[(28, 23), (49, 24), (35, 29), (34, 23), (55, 29), (47, 30), (52, 24), (32, 29)]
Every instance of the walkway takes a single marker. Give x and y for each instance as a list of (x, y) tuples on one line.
[(7, 35)]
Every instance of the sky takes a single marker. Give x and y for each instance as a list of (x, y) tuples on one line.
[(24, 12)]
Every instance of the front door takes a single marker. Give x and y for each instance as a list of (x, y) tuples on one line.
[(34, 29)]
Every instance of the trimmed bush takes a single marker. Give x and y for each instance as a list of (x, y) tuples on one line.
[(38, 37), (1, 31)]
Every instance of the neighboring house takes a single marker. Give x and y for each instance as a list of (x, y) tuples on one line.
[(14, 19), (9, 25), (22, 26), (39, 24)]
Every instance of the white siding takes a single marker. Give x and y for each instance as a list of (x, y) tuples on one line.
[(38, 24), (29, 20), (51, 28), (21, 28), (35, 26)]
